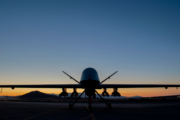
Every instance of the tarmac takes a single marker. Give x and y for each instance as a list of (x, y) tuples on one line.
[(168, 110)]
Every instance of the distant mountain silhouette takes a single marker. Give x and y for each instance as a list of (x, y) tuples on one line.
[(37, 94)]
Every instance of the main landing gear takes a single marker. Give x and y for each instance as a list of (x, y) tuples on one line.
[(108, 105), (89, 106), (71, 105)]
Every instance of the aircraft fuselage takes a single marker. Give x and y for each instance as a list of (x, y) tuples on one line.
[(89, 81)]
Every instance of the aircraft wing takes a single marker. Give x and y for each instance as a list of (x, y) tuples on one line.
[(135, 85), (43, 86)]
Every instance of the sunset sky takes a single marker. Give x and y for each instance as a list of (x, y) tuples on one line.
[(138, 38)]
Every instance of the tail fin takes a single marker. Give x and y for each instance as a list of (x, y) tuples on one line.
[(109, 76), (71, 77)]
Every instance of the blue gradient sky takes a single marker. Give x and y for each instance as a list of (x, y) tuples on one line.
[(139, 38)]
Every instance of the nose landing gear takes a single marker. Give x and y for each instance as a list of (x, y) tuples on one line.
[(89, 106)]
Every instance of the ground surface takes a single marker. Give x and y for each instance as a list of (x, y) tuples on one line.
[(56, 111)]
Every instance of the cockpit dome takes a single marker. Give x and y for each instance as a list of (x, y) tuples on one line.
[(89, 73)]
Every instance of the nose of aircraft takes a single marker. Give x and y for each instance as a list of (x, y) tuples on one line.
[(89, 74), (89, 80)]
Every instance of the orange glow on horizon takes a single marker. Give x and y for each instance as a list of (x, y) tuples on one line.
[(144, 92)]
